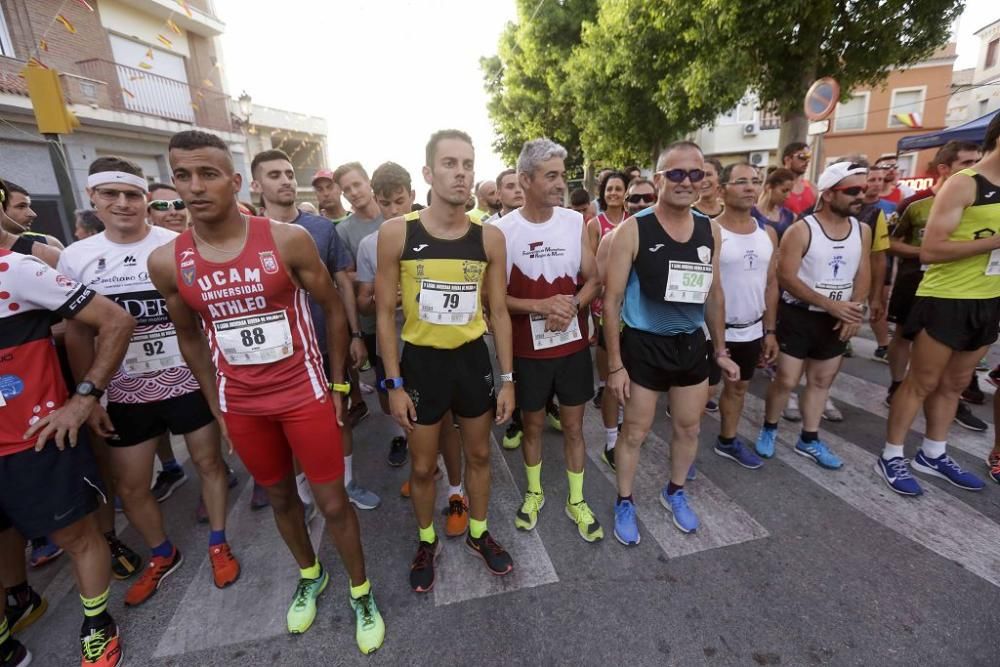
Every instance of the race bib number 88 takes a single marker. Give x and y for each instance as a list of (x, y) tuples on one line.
[(448, 303), (259, 339)]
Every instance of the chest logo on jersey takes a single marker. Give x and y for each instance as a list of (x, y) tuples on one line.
[(835, 263), (704, 254), (187, 267), (982, 233), (269, 262), (102, 264), (129, 260), (472, 270), (539, 249), (750, 258)]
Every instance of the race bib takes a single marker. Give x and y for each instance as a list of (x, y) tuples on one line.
[(993, 263), (834, 291), (688, 282), (258, 339), (152, 351), (543, 340), (448, 303)]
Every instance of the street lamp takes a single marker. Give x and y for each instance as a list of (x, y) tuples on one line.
[(245, 102)]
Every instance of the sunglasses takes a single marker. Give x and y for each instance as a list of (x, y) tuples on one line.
[(641, 199), (167, 204), (852, 191), (111, 194), (802, 156), (678, 175)]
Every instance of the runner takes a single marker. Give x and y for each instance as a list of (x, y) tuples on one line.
[(664, 291), (641, 195), (770, 209), (165, 209), (511, 195), (952, 322), (19, 216), (153, 391), (795, 157), (441, 262), (873, 213), (747, 265), (274, 180), (892, 192), (47, 488), (551, 281), (579, 201), (709, 203), (487, 201), (328, 194), (824, 271), (87, 224), (247, 279)]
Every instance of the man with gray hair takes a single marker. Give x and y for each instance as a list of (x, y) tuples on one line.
[(551, 279)]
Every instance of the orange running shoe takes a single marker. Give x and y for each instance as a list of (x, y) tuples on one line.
[(458, 516), (101, 644), (149, 582), (405, 489), (225, 567)]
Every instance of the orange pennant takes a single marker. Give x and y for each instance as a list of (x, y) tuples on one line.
[(66, 24), (166, 42), (173, 26)]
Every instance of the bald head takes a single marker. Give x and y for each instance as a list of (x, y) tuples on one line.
[(487, 196)]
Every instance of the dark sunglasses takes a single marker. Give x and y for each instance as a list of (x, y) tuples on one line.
[(678, 175), (852, 191), (802, 156), (167, 204), (641, 199)]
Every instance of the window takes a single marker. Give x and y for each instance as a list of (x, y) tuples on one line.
[(906, 100), (6, 48), (746, 112), (991, 53), (852, 114), (906, 164)]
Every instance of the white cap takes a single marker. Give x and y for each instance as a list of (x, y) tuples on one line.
[(837, 172)]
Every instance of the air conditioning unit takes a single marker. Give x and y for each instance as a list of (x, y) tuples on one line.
[(759, 158), (750, 129)]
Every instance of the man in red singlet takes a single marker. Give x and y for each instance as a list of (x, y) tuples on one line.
[(248, 279)]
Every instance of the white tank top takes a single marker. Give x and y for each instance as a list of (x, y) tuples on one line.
[(829, 265), (743, 263)]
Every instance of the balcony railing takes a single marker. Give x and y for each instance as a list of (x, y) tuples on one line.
[(769, 120), (139, 91)]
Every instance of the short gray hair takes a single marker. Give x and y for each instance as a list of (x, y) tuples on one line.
[(536, 151)]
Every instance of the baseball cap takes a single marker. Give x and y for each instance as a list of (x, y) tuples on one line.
[(322, 173), (837, 172)]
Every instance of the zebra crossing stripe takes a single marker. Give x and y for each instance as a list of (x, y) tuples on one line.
[(722, 522)]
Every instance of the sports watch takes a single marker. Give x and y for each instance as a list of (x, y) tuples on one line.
[(392, 383), (88, 388)]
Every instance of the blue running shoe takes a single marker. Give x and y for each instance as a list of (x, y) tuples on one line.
[(946, 468), (765, 442), (739, 453), (626, 525), (677, 504), (818, 452), (896, 473), (692, 472)]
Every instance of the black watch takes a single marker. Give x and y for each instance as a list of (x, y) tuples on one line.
[(357, 334), (88, 388)]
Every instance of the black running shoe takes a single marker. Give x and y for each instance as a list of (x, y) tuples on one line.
[(966, 419), (167, 482), (124, 561), (13, 654), (609, 457), (422, 568), (397, 452), (598, 396), (24, 610), (497, 560), (973, 394)]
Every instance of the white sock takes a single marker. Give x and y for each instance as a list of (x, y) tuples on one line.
[(892, 451), (933, 449), (455, 490), (348, 469), (611, 435)]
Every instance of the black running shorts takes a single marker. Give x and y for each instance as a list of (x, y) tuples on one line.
[(660, 362), (138, 422), (746, 354), (570, 377), (904, 292), (964, 325), (808, 334), (460, 380)]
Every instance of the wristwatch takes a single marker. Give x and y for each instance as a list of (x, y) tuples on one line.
[(88, 388), (392, 383), (357, 334), (341, 388), (506, 377)]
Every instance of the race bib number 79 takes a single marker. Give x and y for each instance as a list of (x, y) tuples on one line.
[(448, 303), (257, 339)]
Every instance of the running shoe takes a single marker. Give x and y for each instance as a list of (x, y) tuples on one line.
[(848, 350), (739, 453), (225, 567), (458, 516), (259, 499), (100, 642), (586, 523), (361, 497), (598, 396), (497, 560), (946, 468), (831, 412), (965, 419), (692, 473), (712, 406), (765, 442), (666, 411), (818, 452), (231, 478), (158, 569), (553, 420), (201, 512), (14, 654), (626, 525), (397, 452), (608, 456), (43, 551), (973, 394), (512, 436), (791, 412), (124, 561), (896, 473), (367, 366), (369, 626), (527, 515), (404, 490), (168, 481), (993, 463), (422, 567), (366, 388), (24, 611), (356, 413), (302, 612), (881, 354), (684, 517), (993, 377)]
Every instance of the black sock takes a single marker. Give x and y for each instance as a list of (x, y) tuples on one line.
[(893, 386), (770, 426), (18, 593), (674, 488), (810, 436), (101, 620), (110, 535), (727, 441), (622, 499)]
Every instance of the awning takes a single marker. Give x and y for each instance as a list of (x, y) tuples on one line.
[(974, 130)]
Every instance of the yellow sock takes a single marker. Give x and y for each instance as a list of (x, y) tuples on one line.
[(427, 534), (534, 474), (96, 605), (477, 528), (575, 486), (362, 590), (314, 571)]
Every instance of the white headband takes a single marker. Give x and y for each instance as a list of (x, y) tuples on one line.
[(106, 177)]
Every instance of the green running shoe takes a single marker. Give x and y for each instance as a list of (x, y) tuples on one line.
[(586, 522), (370, 626), (512, 436), (527, 516), (302, 613)]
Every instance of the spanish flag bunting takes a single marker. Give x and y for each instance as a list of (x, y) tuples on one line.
[(43, 45), (909, 119), (173, 26), (66, 24), (184, 6), (208, 83), (128, 92), (149, 53), (166, 42), (35, 62), (85, 5), (195, 107), (145, 65)]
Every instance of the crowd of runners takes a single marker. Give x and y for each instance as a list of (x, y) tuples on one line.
[(510, 302)]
